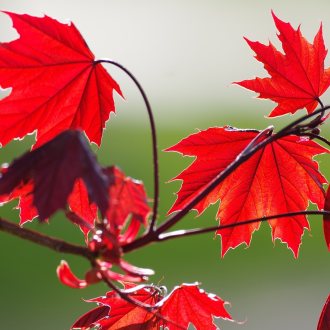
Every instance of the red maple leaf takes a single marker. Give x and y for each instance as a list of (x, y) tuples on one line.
[(297, 77), (51, 172), (279, 178), (186, 304), (326, 220), (127, 197), (56, 84), (324, 321)]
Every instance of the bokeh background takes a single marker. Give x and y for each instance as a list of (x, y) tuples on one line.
[(186, 54)]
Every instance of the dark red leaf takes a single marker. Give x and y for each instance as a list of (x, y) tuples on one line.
[(298, 77), (324, 321), (279, 178), (326, 220), (53, 169), (91, 317), (56, 84)]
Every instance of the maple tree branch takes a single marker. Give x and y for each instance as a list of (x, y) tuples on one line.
[(153, 139), (197, 231), (44, 240), (246, 153)]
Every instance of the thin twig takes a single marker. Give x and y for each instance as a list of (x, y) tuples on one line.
[(197, 231), (41, 239), (153, 139), (318, 137)]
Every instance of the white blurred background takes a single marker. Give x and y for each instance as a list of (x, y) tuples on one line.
[(185, 53)]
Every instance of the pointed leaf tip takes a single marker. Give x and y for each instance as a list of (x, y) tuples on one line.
[(297, 78), (49, 64)]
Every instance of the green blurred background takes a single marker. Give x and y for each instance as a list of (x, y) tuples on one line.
[(185, 55)]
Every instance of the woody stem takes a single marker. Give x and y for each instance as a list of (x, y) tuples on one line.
[(44, 240)]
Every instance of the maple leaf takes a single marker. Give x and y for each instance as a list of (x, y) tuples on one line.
[(298, 77), (324, 321), (326, 220), (56, 84), (195, 306), (279, 178), (184, 305), (52, 171)]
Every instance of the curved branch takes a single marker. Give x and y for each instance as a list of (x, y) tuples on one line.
[(153, 138)]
